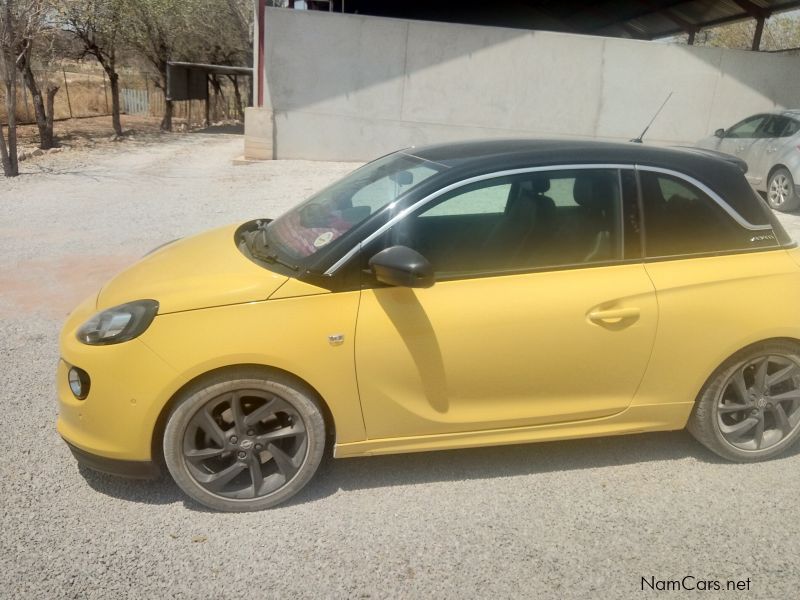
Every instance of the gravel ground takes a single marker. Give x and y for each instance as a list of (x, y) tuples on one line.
[(584, 519)]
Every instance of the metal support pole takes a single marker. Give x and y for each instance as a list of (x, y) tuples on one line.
[(758, 32), (208, 101), (66, 89)]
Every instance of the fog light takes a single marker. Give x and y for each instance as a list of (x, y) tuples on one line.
[(78, 382)]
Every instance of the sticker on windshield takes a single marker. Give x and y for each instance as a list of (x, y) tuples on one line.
[(323, 239)]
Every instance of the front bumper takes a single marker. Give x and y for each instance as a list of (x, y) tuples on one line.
[(134, 469), (130, 385)]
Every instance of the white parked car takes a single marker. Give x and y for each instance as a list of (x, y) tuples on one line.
[(770, 145)]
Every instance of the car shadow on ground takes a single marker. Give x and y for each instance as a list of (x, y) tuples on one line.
[(449, 465)]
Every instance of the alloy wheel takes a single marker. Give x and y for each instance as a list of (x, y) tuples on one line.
[(779, 190), (759, 405), (244, 444)]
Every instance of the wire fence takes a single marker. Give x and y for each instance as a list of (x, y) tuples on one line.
[(85, 92)]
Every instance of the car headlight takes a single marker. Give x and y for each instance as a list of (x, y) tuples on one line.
[(118, 324)]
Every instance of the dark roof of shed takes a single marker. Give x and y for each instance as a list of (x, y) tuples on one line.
[(642, 19)]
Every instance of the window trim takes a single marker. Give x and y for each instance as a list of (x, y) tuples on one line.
[(347, 256), (710, 193)]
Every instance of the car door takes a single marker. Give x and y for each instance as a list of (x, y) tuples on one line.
[(541, 313), (761, 152), (738, 139)]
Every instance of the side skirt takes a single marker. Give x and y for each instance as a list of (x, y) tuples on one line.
[(635, 419)]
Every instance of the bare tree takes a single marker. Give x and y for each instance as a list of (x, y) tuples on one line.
[(96, 24), (158, 30), (42, 103), (21, 21), (231, 28)]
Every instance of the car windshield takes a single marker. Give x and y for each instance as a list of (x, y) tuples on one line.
[(312, 225)]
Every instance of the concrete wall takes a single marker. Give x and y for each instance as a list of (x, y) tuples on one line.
[(349, 87)]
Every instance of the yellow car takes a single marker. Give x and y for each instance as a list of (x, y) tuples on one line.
[(459, 295)]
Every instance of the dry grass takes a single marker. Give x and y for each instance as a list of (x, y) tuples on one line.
[(82, 92), (79, 133)]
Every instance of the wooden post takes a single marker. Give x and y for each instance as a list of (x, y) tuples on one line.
[(105, 91), (147, 92), (691, 37), (66, 89), (25, 96)]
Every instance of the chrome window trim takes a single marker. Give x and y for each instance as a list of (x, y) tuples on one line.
[(495, 174), (405, 212), (710, 193)]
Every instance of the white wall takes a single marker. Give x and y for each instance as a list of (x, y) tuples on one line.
[(349, 87)]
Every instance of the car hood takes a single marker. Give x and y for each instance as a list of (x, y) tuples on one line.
[(201, 271)]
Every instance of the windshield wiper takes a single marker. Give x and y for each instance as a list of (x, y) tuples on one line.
[(256, 240)]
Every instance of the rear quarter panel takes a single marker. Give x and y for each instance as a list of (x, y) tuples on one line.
[(711, 307)]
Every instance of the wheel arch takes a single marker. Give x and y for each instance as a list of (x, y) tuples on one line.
[(742, 351), (203, 379), (772, 170)]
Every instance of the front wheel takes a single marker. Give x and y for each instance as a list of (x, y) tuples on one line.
[(246, 442), (781, 193), (750, 408)]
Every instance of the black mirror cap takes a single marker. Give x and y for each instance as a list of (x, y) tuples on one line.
[(403, 267), (720, 133)]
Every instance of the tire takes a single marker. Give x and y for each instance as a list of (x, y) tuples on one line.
[(247, 440), (781, 193), (749, 410)]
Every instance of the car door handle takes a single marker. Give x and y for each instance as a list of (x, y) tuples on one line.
[(614, 315), (771, 149), (740, 148)]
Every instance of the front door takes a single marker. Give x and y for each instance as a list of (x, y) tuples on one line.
[(541, 313), (740, 138), (762, 153)]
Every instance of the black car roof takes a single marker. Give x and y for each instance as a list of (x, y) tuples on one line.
[(547, 151), (722, 173)]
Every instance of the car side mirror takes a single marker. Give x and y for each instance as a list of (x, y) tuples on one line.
[(720, 133), (401, 266)]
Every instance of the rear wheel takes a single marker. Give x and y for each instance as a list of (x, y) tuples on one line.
[(750, 409), (244, 443), (781, 193)]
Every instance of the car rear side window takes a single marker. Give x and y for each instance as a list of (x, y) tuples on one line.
[(680, 219), (791, 128)]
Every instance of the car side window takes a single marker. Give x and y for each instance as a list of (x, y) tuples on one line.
[(530, 221), (791, 128), (485, 200), (774, 127), (747, 128), (680, 219)]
